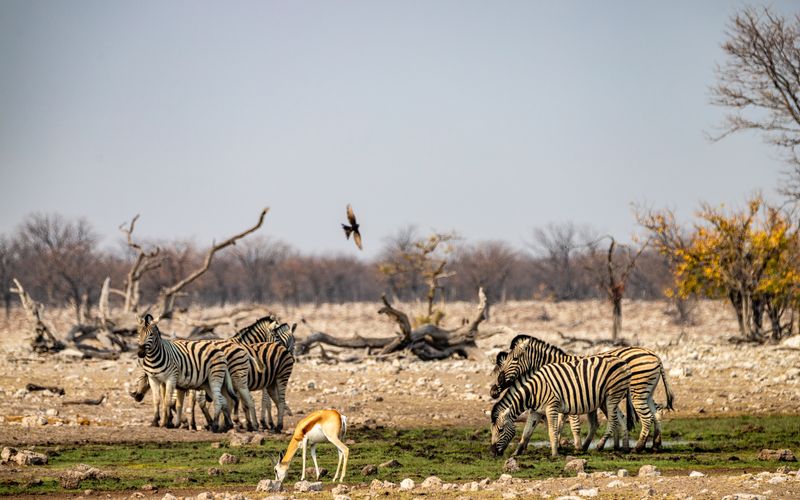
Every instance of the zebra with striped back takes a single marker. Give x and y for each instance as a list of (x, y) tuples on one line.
[(579, 387), (271, 380), (530, 354), (183, 365)]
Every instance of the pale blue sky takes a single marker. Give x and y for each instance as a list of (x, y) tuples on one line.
[(489, 118)]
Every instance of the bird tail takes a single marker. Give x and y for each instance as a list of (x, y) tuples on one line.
[(347, 231)]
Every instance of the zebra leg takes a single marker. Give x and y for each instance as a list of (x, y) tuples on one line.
[(249, 408), (592, 416), (552, 425), (530, 424), (575, 427), (266, 408), (168, 390), (657, 430), (646, 410), (611, 416), (204, 408), (193, 402), (179, 408), (280, 402), (155, 389)]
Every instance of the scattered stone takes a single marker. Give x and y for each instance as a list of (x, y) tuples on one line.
[(227, 458), (34, 420), (268, 485), (407, 484), (623, 473), (304, 486), (615, 484), (239, 440), (511, 465), (575, 465), (206, 495), (216, 445), (169, 496), (341, 497), (376, 484), (340, 489), (27, 457), (148, 487), (369, 470), (213, 471), (744, 496), (504, 478), (782, 455), (388, 484), (695, 473), (431, 482), (649, 471), (7, 454), (311, 471), (70, 480), (391, 463), (778, 479), (569, 497), (587, 492)]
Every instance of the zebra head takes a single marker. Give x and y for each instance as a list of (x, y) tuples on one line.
[(510, 366), (502, 429), (149, 335)]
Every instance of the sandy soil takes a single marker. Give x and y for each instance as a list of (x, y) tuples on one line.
[(709, 375)]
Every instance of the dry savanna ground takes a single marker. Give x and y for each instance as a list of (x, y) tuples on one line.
[(710, 377)]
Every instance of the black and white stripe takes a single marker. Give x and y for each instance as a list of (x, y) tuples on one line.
[(183, 365), (574, 388), (272, 379), (528, 354), (267, 329)]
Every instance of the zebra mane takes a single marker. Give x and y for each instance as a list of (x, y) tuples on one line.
[(534, 341), (260, 325), (519, 338), (496, 410)]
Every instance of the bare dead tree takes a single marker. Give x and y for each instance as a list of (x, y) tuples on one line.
[(6, 265), (613, 280), (561, 248), (143, 262), (427, 342), (760, 83), (166, 297), (43, 339)]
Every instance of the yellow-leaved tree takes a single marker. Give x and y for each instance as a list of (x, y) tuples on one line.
[(748, 256)]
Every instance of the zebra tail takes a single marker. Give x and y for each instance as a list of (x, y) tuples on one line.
[(230, 389), (631, 414), (667, 390)]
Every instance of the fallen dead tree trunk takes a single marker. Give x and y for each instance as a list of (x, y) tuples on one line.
[(428, 342)]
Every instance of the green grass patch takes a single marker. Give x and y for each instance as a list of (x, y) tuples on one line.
[(453, 454)]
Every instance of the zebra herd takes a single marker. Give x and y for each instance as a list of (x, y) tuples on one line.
[(224, 372), (549, 383)]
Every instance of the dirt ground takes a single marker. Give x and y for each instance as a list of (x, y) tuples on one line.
[(709, 375)]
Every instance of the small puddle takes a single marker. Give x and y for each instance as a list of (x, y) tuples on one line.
[(610, 443)]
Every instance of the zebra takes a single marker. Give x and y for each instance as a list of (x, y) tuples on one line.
[(142, 387), (529, 354), (184, 365), (267, 329), (272, 380), (573, 387)]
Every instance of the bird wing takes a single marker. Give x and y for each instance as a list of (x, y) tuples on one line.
[(347, 230), (357, 239), (350, 215)]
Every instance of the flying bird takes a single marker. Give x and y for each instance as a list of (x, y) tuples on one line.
[(352, 228)]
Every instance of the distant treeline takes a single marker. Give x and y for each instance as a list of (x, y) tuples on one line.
[(60, 262)]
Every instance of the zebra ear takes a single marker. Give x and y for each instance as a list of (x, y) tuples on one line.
[(294, 327), (518, 339), (501, 357), (148, 318)]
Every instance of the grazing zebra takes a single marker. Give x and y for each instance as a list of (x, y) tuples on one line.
[(142, 387), (529, 354), (575, 388), (183, 365), (267, 329)]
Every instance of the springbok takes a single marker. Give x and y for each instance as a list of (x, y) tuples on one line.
[(317, 427)]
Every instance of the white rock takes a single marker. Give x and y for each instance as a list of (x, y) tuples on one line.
[(169, 496), (744, 496), (431, 482), (649, 471), (778, 479), (407, 484), (615, 484), (623, 473), (587, 492), (268, 485), (303, 486), (695, 473)]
